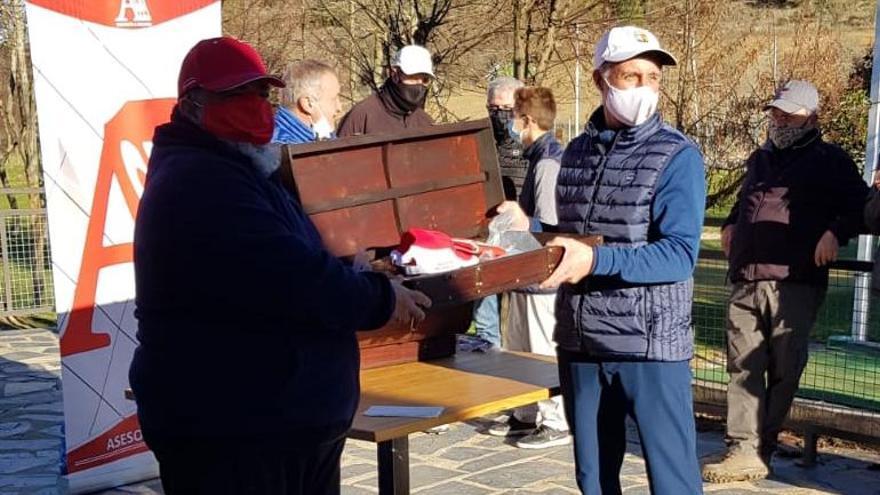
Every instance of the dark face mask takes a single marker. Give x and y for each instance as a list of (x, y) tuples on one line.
[(500, 118), (408, 97)]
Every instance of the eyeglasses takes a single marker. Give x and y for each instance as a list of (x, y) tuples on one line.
[(422, 79), (494, 108)]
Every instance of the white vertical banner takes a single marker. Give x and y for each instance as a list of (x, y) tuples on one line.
[(105, 75)]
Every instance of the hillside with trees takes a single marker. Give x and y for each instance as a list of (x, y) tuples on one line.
[(732, 55)]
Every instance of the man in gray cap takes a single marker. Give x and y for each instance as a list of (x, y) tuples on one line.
[(800, 201)]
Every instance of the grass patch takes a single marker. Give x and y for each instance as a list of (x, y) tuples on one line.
[(25, 291)]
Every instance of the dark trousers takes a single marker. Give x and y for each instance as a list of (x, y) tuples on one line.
[(598, 397), (234, 468)]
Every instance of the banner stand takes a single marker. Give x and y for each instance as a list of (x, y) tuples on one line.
[(105, 75)]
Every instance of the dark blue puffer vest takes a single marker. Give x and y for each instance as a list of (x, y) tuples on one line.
[(546, 147), (609, 190)]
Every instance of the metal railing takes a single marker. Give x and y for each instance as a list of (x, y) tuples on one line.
[(839, 391), (26, 279)]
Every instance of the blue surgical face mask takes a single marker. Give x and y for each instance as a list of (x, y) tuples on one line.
[(514, 134)]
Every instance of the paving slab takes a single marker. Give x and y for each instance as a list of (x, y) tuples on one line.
[(465, 453), (517, 475), (455, 488), (354, 490)]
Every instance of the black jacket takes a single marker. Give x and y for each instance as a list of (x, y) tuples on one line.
[(788, 200), (513, 166), (246, 323)]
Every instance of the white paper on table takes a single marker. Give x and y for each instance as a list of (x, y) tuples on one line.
[(404, 411)]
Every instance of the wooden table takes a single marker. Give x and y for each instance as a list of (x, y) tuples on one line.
[(467, 385)]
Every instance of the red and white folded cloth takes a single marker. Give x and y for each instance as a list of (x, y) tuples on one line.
[(423, 251)]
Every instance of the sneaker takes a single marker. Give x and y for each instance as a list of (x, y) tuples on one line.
[(437, 430), (737, 465), (511, 428), (544, 437), (471, 343)]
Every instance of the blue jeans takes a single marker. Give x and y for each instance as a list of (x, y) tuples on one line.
[(487, 321), (598, 396)]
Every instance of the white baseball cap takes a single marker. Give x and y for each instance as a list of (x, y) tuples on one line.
[(414, 59), (625, 42), (796, 97)]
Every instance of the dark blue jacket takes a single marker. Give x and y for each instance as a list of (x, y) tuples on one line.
[(543, 156), (643, 189), (246, 323)]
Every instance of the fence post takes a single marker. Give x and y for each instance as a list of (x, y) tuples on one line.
[(7, 264), (862, 296), (811, 448)]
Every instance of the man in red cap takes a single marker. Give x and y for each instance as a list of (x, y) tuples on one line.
[(246, 375)]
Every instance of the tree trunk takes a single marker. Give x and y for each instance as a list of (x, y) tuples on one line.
[(519, 49), (692, 53), (23, 96), (527, 47), (554, 13), (683, 79)]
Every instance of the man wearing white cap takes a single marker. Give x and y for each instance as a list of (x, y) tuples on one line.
[(623, 311), (801, 199), (399, 104)]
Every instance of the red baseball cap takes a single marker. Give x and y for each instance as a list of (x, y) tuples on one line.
[(221, 64)]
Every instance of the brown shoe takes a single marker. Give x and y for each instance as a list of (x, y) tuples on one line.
[(738, 465)]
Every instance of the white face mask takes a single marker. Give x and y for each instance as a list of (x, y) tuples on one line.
[(632, 106), (516, 135), (322, 127)]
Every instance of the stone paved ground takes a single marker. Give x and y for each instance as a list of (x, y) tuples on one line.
[(461, 462), (31, 414)]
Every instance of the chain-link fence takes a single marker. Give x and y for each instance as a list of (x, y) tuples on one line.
[(840, 389), (26, 279)]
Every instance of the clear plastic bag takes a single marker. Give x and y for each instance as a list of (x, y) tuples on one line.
[(513, 241)]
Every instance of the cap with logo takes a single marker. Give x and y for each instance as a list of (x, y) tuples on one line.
[(798, 97), (625, 42), (414, 59), (221, 64)]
